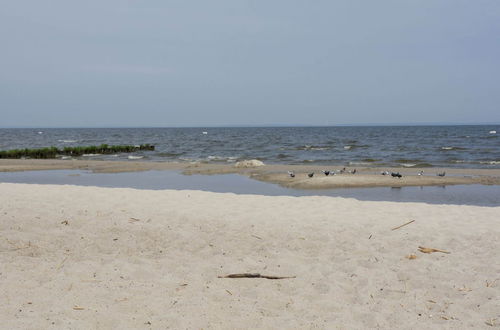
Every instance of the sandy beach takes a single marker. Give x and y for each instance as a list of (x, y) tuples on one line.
[(99, 258), (277, 174)]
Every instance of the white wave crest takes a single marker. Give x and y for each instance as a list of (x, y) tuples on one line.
[(408, 165)]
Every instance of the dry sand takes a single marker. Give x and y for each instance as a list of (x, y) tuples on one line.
[(100, 258), (365, 177)]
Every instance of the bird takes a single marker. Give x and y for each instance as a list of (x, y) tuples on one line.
[(342, 170), (396, 175), (310, 174), (384, 173), (353, 171), (421, 173), (441, 174), (327, 173), (291, 174)]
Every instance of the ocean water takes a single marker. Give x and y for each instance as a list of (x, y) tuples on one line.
[(400, 146)]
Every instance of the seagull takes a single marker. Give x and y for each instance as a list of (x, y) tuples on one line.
[(342, 170), (441, 174), (421, 173), (327, 173), (396, 175), (384, 173), (291, 174), (310, 174)]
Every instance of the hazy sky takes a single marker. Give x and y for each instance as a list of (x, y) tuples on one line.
[(206, 63)]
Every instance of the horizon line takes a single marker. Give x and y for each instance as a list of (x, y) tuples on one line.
[(267, 125)]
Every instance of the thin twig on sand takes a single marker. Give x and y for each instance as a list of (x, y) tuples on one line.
[(255, 275), (403, 225)]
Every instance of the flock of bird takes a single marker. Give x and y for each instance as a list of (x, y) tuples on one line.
[(393, 174), (326, 172)]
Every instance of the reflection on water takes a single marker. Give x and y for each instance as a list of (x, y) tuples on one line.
[(238, 184)]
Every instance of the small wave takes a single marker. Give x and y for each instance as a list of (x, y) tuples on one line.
[(169, 154), (308, 147), (452, 148), (359, 163), (135, 157), (356, 146), (183, 159), (493, 132), (412, 163), (67, 141), (491, 162), (91, 155), (229, 159), (408, 161), (416, 165), (66, 157), (408, 164)]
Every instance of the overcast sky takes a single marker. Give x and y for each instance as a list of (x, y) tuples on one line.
[(208, 63)]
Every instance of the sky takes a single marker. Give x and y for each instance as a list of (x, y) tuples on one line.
[(114, 63)]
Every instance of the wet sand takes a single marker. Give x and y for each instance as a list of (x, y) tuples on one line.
[(365, 177)]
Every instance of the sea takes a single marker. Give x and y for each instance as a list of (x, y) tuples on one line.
[(458, 146)]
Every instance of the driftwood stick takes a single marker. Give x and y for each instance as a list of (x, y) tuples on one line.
[(255, 275), (404, 224), (431, 250)]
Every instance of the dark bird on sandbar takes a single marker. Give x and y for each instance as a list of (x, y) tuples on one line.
[(420, 173), (327, 173), (310, 174), (441, 174), (342, 170), (291, 174), (396, 175)]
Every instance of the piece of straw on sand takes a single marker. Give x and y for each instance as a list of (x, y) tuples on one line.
[(255, 275), (431, 250)]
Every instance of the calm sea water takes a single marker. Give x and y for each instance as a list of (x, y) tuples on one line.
[(481, 195), (407, 146)]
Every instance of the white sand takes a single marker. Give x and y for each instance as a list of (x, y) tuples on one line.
[(160, 271)]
